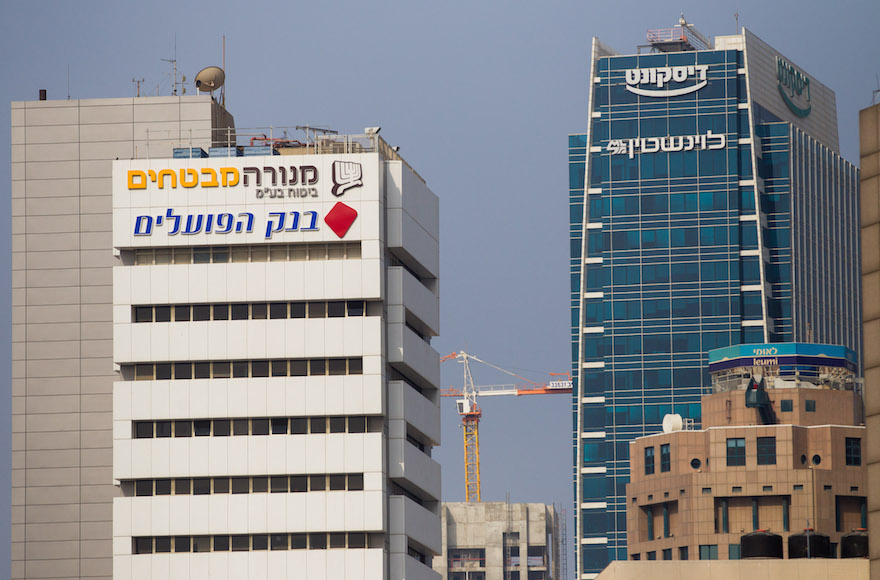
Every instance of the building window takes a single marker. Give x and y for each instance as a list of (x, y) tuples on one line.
[(787, 406), (853, 451), (665, 461), (666, 532), (725, 517), (766, 450), (649, 460), (466, 558), (651, 555), (682, 552), (733, 552), (708, 552), (649, 513), (667, 554), (736, 452), (810, 406), (786, 506)]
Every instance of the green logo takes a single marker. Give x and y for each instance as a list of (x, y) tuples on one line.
[(792, 86)]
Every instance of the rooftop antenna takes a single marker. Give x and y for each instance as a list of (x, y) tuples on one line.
[(68, 81), (876, 91), (223, 89), (173, 62), (138, 83), (736, 15)]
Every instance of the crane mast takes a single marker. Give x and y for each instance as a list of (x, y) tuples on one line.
[(470, 424)]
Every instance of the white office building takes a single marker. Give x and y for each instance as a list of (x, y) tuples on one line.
[(276, 400)]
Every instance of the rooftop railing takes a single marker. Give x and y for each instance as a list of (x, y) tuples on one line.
[(681, 34), (271, 141)]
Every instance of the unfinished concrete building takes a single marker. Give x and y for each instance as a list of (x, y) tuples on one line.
[(499, 541)]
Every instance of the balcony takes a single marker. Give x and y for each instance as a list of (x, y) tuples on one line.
[(406, 292), (409, 518), (414, 357)]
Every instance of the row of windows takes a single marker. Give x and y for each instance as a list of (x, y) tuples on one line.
[(239, 485), (740, 270), (766, 451), (707, 552), (736, 454), (253, 311), (665, 342), (246, 543), (243, 369), (256, 253), (258, 426), (787, 405), (597, 311), (639, 205)]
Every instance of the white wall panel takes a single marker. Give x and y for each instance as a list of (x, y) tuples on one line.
[(242, 340)]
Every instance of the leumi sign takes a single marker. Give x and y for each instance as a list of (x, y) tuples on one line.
[(659, 77)]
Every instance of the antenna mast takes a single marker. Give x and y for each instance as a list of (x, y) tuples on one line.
[(173, 62), (138, 83)]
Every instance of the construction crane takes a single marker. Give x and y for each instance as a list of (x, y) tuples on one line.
[(471, 413)]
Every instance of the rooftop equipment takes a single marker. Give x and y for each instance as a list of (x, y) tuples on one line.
[(854, 544), (679, 38), (761, 544), (809, 544)]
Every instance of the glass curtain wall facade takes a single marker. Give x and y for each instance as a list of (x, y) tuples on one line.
[(679, 246)]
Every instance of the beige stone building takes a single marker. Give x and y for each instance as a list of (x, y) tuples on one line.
[(499, 541), (782, 449), (62, 315), (869, 129)]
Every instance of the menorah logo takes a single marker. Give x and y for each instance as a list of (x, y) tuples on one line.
[(346, 175)]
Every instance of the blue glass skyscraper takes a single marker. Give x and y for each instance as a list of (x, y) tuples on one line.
[(709, 207)]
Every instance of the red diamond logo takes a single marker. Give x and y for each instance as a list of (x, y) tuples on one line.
[(340, 218)]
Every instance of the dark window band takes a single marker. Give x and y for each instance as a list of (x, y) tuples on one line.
[(234, 254), (254, 542), (239, 485), (252, 311), (256, 426), (242, 368)]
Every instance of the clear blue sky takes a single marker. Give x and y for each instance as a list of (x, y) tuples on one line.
[(480, 96)]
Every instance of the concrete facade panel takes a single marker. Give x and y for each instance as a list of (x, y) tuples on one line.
[(51, 270), (41, 170), (106, 113), (107, 132), (51, 152), (38, 116)]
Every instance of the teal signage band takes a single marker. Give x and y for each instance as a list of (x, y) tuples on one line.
[(791, 82)]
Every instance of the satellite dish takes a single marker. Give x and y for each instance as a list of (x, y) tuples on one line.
[(672, 423), (210, 79)]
